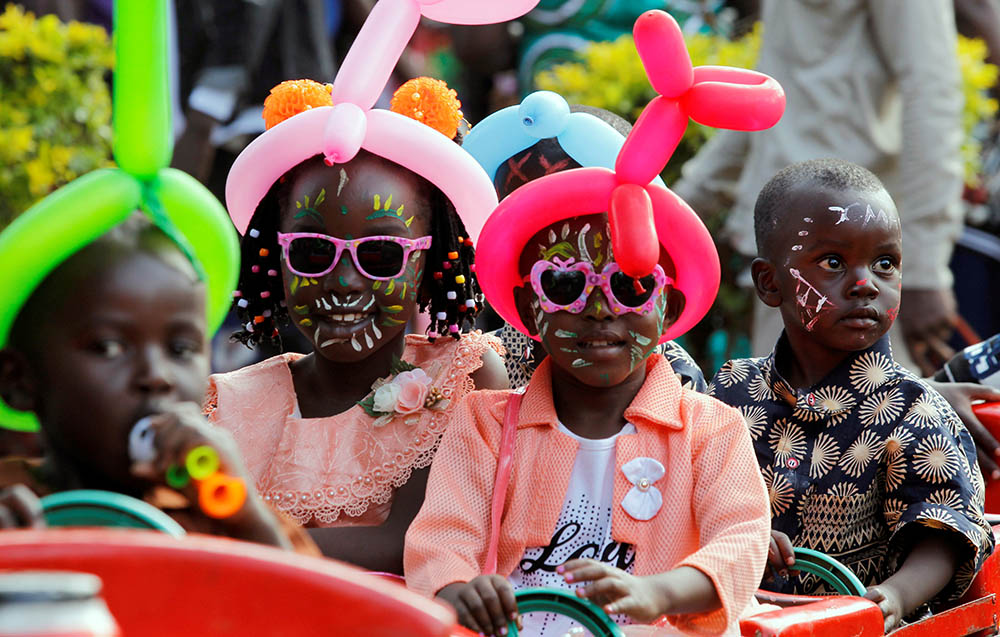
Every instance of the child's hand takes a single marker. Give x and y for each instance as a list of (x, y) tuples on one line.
[(178, 429), (780, 555), (889, 602), (960, 397), (20, 509), (616, 591), (485, 604)]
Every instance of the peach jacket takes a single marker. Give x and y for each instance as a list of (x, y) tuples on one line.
[(714, 516)]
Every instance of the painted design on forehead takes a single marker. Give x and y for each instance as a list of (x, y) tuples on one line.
[(870, 214), (809, 311), (385, 210), (581, 243), (843, 212), (344, 179), (562, 249), (305, 209)]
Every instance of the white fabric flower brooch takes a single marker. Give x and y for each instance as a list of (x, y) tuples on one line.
[(643, 500)]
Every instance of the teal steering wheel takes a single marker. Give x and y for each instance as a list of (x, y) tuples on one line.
[(561, 602), (87, 507), (841, 578)]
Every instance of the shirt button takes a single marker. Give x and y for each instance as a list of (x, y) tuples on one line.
[(793, 463)]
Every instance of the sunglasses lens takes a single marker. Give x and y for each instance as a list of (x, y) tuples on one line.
[(311, 255), (380, 258), (562, 287), (626, 291)]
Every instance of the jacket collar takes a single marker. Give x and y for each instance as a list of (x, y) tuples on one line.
[(656, 404)]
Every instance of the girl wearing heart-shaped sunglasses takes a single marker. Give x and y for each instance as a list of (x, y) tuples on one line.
[(613, 479)]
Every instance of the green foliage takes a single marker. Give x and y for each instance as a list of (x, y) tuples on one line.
[(55, 122)]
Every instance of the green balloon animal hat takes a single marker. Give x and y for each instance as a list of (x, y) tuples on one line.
[(70, 218)]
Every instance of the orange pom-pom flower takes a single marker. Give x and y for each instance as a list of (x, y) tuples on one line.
[(430, 102), (293, 97)]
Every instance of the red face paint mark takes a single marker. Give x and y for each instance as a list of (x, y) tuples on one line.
[(862, 282), (514, 167), (892, 313)]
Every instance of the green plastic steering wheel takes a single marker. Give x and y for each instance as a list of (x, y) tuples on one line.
[(591, 616), (841, 578), (86, 507)]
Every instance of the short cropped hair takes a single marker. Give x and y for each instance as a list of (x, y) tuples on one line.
[(834, 174)]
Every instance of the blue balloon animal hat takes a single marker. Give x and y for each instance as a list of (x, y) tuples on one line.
[(588, 140)]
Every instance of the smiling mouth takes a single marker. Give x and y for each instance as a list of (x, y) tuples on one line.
[(348, 319), (599, 343)]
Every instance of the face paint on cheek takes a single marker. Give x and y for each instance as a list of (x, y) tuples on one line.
[(388, 310), (301, 310), (809, 312), (579, 362), (605, 378), (892, 313), (561, 333), (640, 348)]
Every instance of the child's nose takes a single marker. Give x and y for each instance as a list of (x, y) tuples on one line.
[(154, 373), (345, 279), (597, 307), (862, 286)]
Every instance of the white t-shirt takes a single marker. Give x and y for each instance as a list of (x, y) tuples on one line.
[(583, 530)]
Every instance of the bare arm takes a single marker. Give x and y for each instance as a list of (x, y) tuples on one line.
[(377, 548), (927, 569)]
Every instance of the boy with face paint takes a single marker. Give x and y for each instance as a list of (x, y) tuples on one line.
[(862, 459)]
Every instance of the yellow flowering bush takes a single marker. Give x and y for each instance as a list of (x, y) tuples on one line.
[(55, 121), (609, 75)]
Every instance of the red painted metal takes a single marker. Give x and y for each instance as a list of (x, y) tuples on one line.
[(833, 616), (157, 586), (975, 618)]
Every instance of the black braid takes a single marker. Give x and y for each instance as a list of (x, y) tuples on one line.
[(443, 274), (260, 303)]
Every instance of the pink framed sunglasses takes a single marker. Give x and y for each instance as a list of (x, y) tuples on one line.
[(381, 257), (565, 286)]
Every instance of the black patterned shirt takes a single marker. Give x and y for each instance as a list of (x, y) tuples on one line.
[(521, 363), (851, 462)]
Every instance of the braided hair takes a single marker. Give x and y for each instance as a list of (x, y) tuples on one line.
[(449, 289)]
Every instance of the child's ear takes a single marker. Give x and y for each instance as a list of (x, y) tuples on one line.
[(676, 301), (17, 380), (523, 298), (765, 282)]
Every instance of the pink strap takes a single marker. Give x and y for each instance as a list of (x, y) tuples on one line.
[(504, 464)]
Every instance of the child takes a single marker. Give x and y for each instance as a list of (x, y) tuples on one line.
[(613, 460), (498, 143), (115, 333), (863, 461), (363, 220)]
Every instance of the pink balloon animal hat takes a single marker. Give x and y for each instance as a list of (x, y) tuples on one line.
[(338, 131), (643, 216)]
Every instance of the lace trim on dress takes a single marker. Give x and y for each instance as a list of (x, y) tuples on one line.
[(387, 470)]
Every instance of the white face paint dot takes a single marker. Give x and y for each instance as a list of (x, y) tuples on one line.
[(803, 233), (796, 248)]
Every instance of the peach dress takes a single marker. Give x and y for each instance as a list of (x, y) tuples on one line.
[(341, 470)]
